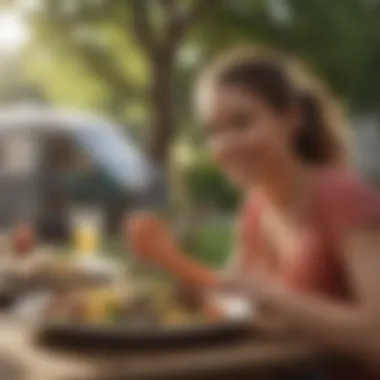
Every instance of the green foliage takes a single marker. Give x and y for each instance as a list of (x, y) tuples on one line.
[(14, 87), (338, 39), (213, 243), (207, 186), (84, 55)]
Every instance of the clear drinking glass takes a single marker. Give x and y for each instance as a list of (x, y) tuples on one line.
[(86, 228)]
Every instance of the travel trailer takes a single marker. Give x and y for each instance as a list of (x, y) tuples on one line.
[(53, 161)]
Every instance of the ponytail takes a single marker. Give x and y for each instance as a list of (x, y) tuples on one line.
[(314, 141)]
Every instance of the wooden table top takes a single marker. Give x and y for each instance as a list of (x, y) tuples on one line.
[(253, 355)]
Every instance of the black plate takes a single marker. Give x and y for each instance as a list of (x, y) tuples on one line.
[(98, 338)]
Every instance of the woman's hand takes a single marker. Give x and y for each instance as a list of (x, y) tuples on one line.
[(256, 287), (153, 241), (264, 294), (150, 238)]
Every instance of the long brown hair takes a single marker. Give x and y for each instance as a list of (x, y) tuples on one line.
[(322, 139)]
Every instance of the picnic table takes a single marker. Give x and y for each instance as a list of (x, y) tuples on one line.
[(242, 359)]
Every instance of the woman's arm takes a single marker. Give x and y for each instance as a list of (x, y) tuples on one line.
[(353, 329), (187, 270), (152, 240)]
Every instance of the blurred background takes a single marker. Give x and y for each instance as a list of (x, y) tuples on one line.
[(96, 121), (132, 64)]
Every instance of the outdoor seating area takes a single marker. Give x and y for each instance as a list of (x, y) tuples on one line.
[(189, 190)]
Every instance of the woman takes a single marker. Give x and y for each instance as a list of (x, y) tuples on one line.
[(310, 228)]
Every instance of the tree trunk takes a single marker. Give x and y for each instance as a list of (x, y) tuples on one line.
[(162, 115)]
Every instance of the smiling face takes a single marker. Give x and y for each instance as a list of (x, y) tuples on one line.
[(247, 136)]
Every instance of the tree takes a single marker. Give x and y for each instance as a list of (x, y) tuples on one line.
[(85, 29), (122, 56), (14, 87), (161, 52), (337, 39)]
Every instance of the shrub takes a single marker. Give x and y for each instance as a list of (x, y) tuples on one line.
[(213, 242), (208, 187)]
